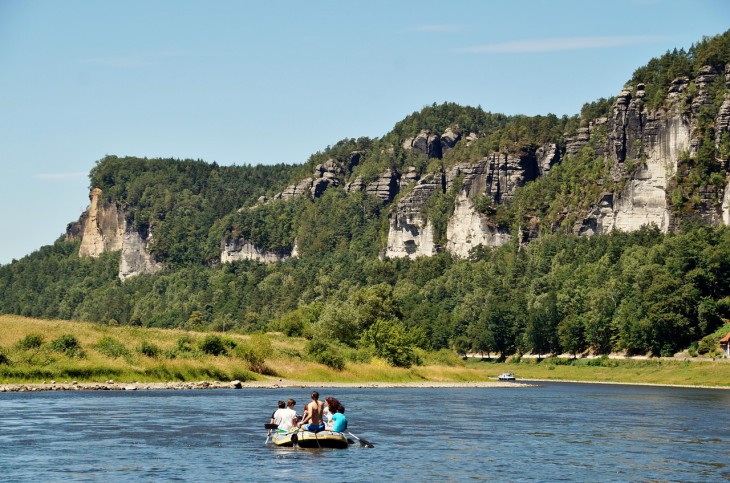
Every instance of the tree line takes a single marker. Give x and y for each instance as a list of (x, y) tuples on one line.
[(641, 292)]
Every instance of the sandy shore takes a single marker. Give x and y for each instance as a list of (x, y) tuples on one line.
[(281, 383)]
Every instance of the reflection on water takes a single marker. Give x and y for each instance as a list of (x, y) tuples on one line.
[(547, 433)]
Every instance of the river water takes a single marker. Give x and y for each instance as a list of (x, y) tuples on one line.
[(568, 432)]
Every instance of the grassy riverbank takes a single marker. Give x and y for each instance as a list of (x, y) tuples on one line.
[(33, 351)]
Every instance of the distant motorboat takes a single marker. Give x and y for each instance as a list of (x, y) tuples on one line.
[(507, 376)]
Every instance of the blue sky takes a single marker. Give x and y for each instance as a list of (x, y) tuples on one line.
[(244, 82)]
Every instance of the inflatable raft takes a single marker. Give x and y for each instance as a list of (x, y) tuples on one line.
[(309, 439)]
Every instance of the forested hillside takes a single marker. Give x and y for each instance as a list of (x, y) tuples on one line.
[(545, 290)]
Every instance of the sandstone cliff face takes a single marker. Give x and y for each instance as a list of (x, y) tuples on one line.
[(433, 145), (136, 258), (103, 228), (496, 176), (654, 142), (325, 175), (409, 235), (643, 147), (726, 205), (234, 249), (468, 229)]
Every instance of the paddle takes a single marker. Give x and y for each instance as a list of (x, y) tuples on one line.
[(363, 441), (269, 426)]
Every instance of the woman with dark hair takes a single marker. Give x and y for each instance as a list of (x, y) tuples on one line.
[(336, 414)]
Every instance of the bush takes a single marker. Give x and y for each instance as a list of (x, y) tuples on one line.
[(111, 347), (390, 340), (254, 352), (67, 344), (30, 341), (332, 359), (149, 349), (708, 344), (362, 355), (443, 357), (185, 344), (324, 353), (213, 345), (4, 360)]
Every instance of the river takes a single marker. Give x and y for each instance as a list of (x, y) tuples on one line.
[(556, 431)]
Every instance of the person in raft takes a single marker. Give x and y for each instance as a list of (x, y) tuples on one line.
[(285, 417), (313, 415), (277, 414), (338, 421), (289, 416)]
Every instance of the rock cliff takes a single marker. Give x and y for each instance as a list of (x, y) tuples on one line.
[(496, 177), (233, 249), (468, 229), (103, 228), (135, 257), (325, 175), (409, 235), (652, 142)]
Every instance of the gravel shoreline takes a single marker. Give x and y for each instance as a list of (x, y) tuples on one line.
[(174, 386)]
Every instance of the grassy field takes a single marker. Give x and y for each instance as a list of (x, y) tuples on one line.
[(34, 351)]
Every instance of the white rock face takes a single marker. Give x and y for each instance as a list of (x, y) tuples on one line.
[(410, 238), (136, 258), (242, 249), (468, 229), (644, 199), (726, 205)]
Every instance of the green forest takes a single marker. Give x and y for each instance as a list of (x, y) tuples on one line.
[(643, 292)]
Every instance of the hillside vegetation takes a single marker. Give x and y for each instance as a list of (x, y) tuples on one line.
[(37, 351), (638, 293)]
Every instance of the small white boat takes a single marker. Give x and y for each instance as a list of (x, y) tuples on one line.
[(507, 376)]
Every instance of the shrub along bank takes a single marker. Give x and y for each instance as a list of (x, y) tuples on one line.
[(33, 351)]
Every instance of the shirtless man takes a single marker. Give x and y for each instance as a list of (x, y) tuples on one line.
[(313, 415)]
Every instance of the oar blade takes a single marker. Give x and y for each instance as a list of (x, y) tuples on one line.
[(363, 442)]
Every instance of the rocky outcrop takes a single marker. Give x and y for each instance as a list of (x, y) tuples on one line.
[(651, 143), (385, 187), (722, 122), (136, 258), (726, 205), (573, 144), (409, 235), (547, 156), (425, 143), (448, 140), (496, 177), (468, 229), (234, 249), (325, 175), (103, 228), (435, 145)]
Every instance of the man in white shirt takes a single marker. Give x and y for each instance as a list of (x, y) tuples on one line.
[(285, 417)]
